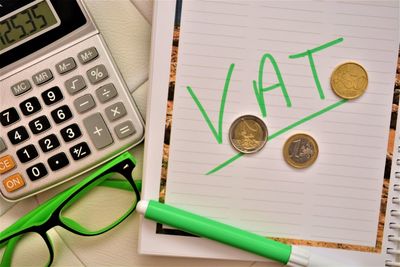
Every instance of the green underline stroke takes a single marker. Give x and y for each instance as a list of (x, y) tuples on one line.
[(278, 133)]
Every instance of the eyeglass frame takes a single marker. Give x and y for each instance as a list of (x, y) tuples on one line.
[(48, 215)]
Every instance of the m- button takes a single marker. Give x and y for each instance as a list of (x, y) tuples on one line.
[(6, 163)]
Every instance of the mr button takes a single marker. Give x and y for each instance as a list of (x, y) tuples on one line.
[(6, 163)]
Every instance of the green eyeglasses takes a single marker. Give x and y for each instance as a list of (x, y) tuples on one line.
[(77, 210)]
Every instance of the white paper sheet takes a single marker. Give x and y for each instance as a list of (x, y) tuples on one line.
[(338, 198)]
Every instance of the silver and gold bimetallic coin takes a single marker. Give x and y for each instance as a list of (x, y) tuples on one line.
[(349, 80), (300, 151), (248, 134)]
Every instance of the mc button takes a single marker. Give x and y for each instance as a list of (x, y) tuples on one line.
[(6, 163)]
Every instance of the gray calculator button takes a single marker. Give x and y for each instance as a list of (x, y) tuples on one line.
[(3, 146), (97, 74), (75, 84), (116, 111), (88, 55), (98, 131), (21, 87), (106, 92), (66, 65), (42, 77), (125, 129), (84, 103)]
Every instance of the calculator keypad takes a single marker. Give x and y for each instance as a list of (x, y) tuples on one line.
[(71, 133), (27, 153), (18, 135), (30, 106), (37, 171), (76, 113), (49, 143), (9, 116), (80, 151), (52, 96), (39, 125), (3, 146), (58, 161), (61, 114)]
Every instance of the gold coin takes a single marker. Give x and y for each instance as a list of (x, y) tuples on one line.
[(300, 151), (248, 134), (349, 80)]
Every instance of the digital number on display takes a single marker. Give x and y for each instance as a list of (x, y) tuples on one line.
[(26, 23)]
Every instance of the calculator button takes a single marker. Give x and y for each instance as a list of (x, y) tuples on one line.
[(3, 146), (49, 143), (106, 93), (27, 153), (79, 151), (71, 132), (36, 171), (88, 55), (42, 77), (30, 106), (58, 161), (66, 65), (14, 182), (84, 103), (125, 129), (61, 114), (116, 111), (6, 164), (98, 131), (21, 87), (39, 125), (97, 74), (75, 84), (52, 96), (18, 135), (9, 116)]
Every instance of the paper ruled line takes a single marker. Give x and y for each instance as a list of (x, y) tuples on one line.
[(278, 133)]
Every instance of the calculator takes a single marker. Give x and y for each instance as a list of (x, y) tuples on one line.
[(64, 107)]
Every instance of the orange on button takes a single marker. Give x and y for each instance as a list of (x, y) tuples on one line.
[(14, 182), (6, 163)]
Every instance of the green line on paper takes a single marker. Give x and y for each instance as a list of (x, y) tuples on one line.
[(282, 131)]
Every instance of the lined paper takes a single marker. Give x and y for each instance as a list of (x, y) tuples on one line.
[(338, 198)]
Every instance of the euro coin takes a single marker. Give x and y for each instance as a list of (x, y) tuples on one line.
[(248, 134), (349, 80), (300, 151)]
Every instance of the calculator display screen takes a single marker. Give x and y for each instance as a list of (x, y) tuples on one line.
[(27, 26), (26, 23)]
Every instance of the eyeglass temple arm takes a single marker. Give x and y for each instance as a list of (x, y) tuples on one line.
[(10, 246)]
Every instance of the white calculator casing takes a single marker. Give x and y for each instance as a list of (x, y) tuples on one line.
[(70, 45)]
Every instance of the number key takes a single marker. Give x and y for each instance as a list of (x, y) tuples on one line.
[(27, 153), (49, 143), (30, 106), (9, 116), (36, 171), (18, 135), (61, 114), (39, 125), (51, 96), (71, 132)]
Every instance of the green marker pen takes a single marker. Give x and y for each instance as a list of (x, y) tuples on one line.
[(229, 235)]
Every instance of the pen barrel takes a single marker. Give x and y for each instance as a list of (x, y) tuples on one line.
[(217, 231)]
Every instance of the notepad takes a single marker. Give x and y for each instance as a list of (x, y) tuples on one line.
[(214, 61)]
